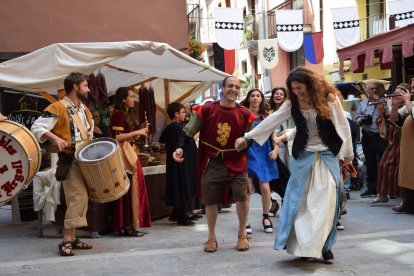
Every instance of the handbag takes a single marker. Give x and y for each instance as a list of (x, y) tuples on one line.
[(129, 156)]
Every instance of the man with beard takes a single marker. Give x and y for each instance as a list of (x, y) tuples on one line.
[(64, 124), (221, 167)]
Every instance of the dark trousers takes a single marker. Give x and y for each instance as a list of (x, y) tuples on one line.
[(373, 147), (408, 201)]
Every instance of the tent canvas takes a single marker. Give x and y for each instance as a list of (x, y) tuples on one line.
[(174, 75)]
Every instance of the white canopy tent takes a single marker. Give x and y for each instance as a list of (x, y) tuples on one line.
[(174, 75)]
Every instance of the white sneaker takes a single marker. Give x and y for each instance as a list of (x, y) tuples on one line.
[(339, 226), (249, 230)]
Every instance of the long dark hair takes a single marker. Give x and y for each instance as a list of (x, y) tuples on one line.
[(130, 117), (273, 106), (246, 102)]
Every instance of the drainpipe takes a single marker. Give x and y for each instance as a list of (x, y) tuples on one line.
[(266, 78)]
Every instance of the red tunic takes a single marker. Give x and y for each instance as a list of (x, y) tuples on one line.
[(220, 128), (123, 206)]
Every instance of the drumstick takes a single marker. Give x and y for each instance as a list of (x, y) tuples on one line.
[(78, 141)]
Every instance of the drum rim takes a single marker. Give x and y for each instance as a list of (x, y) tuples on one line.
[(107, 139)]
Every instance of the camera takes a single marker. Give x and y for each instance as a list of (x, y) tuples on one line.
[(366, 119)]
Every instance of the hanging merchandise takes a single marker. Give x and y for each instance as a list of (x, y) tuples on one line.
[(313, 47), (289, 27), (403, 11), (346, 25), (229, 27), (147, 108), (102, 90), (268, 52), (93, 88)]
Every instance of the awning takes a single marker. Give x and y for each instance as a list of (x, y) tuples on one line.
[(362, 54), (174, 75)]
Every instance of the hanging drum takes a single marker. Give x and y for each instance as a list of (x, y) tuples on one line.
[(20, 159), (102, 169)]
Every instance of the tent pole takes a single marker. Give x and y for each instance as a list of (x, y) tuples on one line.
[(47, 96), (143, 82), (186, 94)]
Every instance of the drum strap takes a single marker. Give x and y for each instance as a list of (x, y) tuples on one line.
[(78, 123)]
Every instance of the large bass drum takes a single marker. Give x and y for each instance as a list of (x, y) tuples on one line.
[(20, 159), (102, 169)]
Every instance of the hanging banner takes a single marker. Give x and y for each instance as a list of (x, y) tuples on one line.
[(346, 25), (403, 11), (229, 27), (313, 47), (224, 60), (268, 52), (289, 27)]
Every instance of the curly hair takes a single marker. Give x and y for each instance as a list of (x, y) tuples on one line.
[(246, 102), (317, 87)]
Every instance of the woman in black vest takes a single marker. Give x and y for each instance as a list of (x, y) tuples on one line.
[(307, 224)]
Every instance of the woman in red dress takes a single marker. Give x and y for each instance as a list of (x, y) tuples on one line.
[(131, 210)]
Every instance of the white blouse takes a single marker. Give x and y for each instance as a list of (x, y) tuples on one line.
[(261, 132)]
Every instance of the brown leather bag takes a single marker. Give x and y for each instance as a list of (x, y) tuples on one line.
[(64, 164)]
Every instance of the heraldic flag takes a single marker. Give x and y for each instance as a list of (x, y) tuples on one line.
[(268, 52), (229, 27), (289, 26), (346, 25), (313, 46), (403, 12)]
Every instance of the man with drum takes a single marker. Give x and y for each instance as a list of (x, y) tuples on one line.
[(66, 124)]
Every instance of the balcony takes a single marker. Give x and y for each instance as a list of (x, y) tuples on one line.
[(193, 17)]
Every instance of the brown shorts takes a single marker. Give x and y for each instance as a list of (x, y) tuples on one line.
[(214, 180)]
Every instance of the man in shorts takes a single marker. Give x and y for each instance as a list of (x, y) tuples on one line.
[(222, 168)]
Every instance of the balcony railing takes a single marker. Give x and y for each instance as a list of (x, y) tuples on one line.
[(373, 25), (193, 19)]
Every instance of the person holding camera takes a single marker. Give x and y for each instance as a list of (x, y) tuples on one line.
[(373, 145)]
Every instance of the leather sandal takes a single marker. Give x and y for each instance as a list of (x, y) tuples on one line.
[(273, 211), (64, 247), (378, 200), (268, 228), (131, 232), (78, 244), (243, 242), (210, 246)]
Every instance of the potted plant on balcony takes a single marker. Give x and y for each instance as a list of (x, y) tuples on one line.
[(195, 48)]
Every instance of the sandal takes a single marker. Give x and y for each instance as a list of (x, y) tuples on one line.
[(64, 247), (379, 200), (243, 242), (194, 216), (210, 246), (131, 232), (78, 244), (273, 210), (268, 228)]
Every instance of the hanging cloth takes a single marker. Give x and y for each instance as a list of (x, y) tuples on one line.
[(313, 47), (229, 27), (268, 51), (289, 26), (403, 11), (346, 25)]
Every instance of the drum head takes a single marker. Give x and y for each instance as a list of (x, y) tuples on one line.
[(97, 151), (14, 167)]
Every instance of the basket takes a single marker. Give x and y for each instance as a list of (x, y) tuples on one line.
[(143, 158)]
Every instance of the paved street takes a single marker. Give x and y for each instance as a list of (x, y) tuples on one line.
[(376, 241)]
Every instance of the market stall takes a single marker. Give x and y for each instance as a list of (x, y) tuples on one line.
[(173, 75)]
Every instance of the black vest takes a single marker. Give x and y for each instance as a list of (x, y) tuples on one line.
[(326, 130)]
